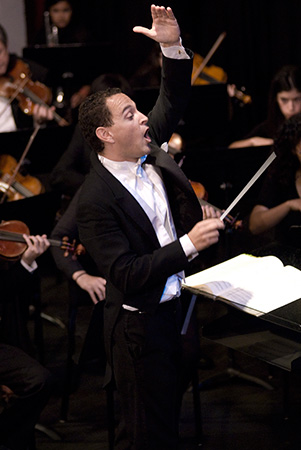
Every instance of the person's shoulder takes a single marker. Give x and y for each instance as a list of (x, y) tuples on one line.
[(38, 72), (261, 129)]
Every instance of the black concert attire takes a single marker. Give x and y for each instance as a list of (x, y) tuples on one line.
[(28, 380), (263, 130), (274, 193), (142, 333), (70, 171), (73, 33), (69, 264)]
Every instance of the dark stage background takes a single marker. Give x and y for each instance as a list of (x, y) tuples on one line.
[(262, 35)]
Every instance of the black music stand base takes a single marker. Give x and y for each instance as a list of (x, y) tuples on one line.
[(230, 373)]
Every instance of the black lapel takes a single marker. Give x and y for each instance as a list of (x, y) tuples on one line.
[(125, 200)]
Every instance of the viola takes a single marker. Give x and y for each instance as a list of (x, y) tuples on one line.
[(13, 244), (23, 186), (202, 74), (18, 85), (209, 74), (199, 190), (214, 74)]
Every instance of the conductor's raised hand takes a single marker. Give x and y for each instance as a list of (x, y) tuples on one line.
[(165, 28)]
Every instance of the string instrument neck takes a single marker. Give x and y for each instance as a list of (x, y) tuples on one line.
[(17, 84), (13, 236), (13, 244)]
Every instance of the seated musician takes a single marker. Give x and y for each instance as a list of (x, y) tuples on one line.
[(69, 30), (278, 206), (16, 296), (25, 385), (62, 26), (12, 118), (79, 270), (85, 285), (284, 102)]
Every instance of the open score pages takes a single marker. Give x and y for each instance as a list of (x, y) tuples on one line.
[(259, 283)]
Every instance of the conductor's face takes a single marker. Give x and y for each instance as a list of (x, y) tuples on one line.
[(128, 137)]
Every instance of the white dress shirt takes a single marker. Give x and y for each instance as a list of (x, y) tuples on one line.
[(7, 121), (147, 187)]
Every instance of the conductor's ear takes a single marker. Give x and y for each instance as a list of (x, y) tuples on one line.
[(104, 134)]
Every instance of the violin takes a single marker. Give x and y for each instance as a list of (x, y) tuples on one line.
[(13, 244), (18, 85), (23, 186), (199, 190), (202, 196), (212, 75), (209, 75), (203, 74)]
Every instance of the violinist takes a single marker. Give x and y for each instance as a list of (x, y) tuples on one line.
[(284, 101), (12, 118), (81, 271), (62, 21), (15, 296), (25, 385), (278, 206), (62, 26)]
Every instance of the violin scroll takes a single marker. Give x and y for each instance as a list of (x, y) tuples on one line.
[(72, 248)]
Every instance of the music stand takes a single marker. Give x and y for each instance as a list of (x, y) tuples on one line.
[(80, 63)]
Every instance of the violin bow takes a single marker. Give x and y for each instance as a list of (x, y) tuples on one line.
[(36, 99), (13, 176), (21, 89), (208, 56)]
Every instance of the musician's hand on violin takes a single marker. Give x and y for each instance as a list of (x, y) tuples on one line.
[(165, 28), (36, 246), (206, 233), (42, 114), (209, 212), (231, 88), (95, 286)]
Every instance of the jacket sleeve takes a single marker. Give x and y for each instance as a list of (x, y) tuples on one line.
[(175, 90)]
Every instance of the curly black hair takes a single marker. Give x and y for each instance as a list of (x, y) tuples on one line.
[(94, 113)]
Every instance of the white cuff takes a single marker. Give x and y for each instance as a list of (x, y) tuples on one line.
[(188, 247), (31, 268), (175, 52)]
